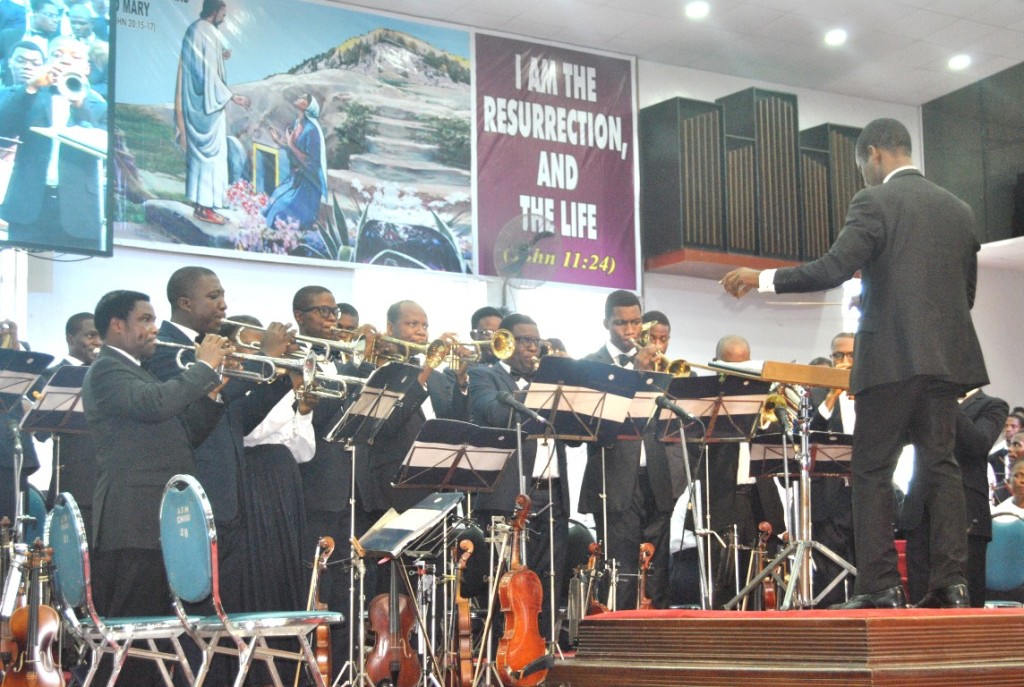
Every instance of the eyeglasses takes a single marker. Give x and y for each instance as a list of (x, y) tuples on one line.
[(528, 341), (324, 311), (841, 355)]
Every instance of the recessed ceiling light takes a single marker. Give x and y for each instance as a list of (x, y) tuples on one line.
[(697, 9), (959, 62), (835, 37)]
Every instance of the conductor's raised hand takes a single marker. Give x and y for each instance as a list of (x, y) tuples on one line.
[(740, 281)]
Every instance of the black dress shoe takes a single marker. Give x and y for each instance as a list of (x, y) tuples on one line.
[(892, 597), (953, 596)]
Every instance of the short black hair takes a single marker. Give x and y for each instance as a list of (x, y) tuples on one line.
[(183, 280), (74, 322), (481, 313), (210, 8), (303, 297), (348, 309), (1019, 414), (37, 5), (395, 310), (516, 318), (619, 298), (657, 316), (822, 361), (842, 335), (886, 134), (28, 45), (117, 304)]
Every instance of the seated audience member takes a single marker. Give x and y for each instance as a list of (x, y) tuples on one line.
[(1014, 505)]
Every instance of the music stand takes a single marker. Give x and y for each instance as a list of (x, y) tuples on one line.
[(383, 391), (642, 410), (801, 546), (583, 400), (19, 370), (450, 454)]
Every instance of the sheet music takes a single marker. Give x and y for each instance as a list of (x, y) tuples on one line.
[(393, 533)]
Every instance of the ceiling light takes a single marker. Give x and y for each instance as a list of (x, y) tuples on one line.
[(959, 62), (697, 9), (835, 37)]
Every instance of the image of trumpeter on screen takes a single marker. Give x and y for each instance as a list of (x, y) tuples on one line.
[(53, 128)]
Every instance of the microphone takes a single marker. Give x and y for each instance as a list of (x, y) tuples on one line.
[(666, 403), (506, 398), (783, 417)]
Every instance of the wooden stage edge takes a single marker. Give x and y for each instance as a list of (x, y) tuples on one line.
[(904, 648)]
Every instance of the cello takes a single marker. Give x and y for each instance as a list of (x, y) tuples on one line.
[(392, 661), (34, 627), (460, 669), (522, 659), (643, 602)]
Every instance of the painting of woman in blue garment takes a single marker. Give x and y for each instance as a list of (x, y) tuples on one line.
[(298, 198)]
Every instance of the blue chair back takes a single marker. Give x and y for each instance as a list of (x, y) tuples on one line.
[(70, 551), (35, 505), (187, 538), (1004, 559)]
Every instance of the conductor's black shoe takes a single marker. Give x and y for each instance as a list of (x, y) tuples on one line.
[(953, 596), (892, 597)]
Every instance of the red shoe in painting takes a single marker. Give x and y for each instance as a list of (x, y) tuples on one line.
[(208, 215)]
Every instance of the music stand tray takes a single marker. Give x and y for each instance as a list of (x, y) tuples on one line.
[(393, 533), (383, 391), (584, 400), (729, 407), (59, 408), (450, 454), (19, 370)]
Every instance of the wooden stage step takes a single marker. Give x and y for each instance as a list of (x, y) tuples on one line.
[(905, 648)]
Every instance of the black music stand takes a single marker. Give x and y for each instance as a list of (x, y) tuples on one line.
[(583, 400), (59, 411), (724, 409), (19, 370), (450, 454), (642, 410), (382, 393), (830, 455)]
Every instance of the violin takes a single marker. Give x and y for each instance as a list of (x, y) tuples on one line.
[(460, 672), (392, 661), (8, 648), (593, 605), (522, 649), (34, 626), (322, 645), (643, 602), (768, 596)]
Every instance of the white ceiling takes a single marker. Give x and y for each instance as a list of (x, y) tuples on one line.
[(897, 49)]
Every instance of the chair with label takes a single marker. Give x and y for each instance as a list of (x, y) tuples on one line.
[(188, 538), (103, 635)]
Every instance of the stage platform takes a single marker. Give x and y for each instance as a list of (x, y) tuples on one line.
[(905, 648)]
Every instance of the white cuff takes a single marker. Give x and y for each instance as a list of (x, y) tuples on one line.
[(766, 281)]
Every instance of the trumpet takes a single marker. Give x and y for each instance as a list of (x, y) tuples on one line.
[(676, 368), (502, 344), (331, 346), (784, 396), (73, 86), (269, 369)]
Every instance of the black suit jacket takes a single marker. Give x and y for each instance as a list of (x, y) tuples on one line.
[(979, 421), (79, 188), (486, 383), (220, 459), (378, 463), (914, 244), (622, 465), (146, 432)]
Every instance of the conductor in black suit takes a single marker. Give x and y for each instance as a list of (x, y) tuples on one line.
[(54, 205), (644, 477), (146, 432), (979, 420), (916, 352), (541, 459)]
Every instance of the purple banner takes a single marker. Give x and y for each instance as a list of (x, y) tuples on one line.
[(555, 135)]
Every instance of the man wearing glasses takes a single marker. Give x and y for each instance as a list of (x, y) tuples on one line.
[(44, 26)]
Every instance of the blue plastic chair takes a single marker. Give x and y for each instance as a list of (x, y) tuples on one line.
[(35, 505), (1004, 558), (65, 533), (188, 538)]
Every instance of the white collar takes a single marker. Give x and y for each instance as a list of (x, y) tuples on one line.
[(897, 171), (126, 354)]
